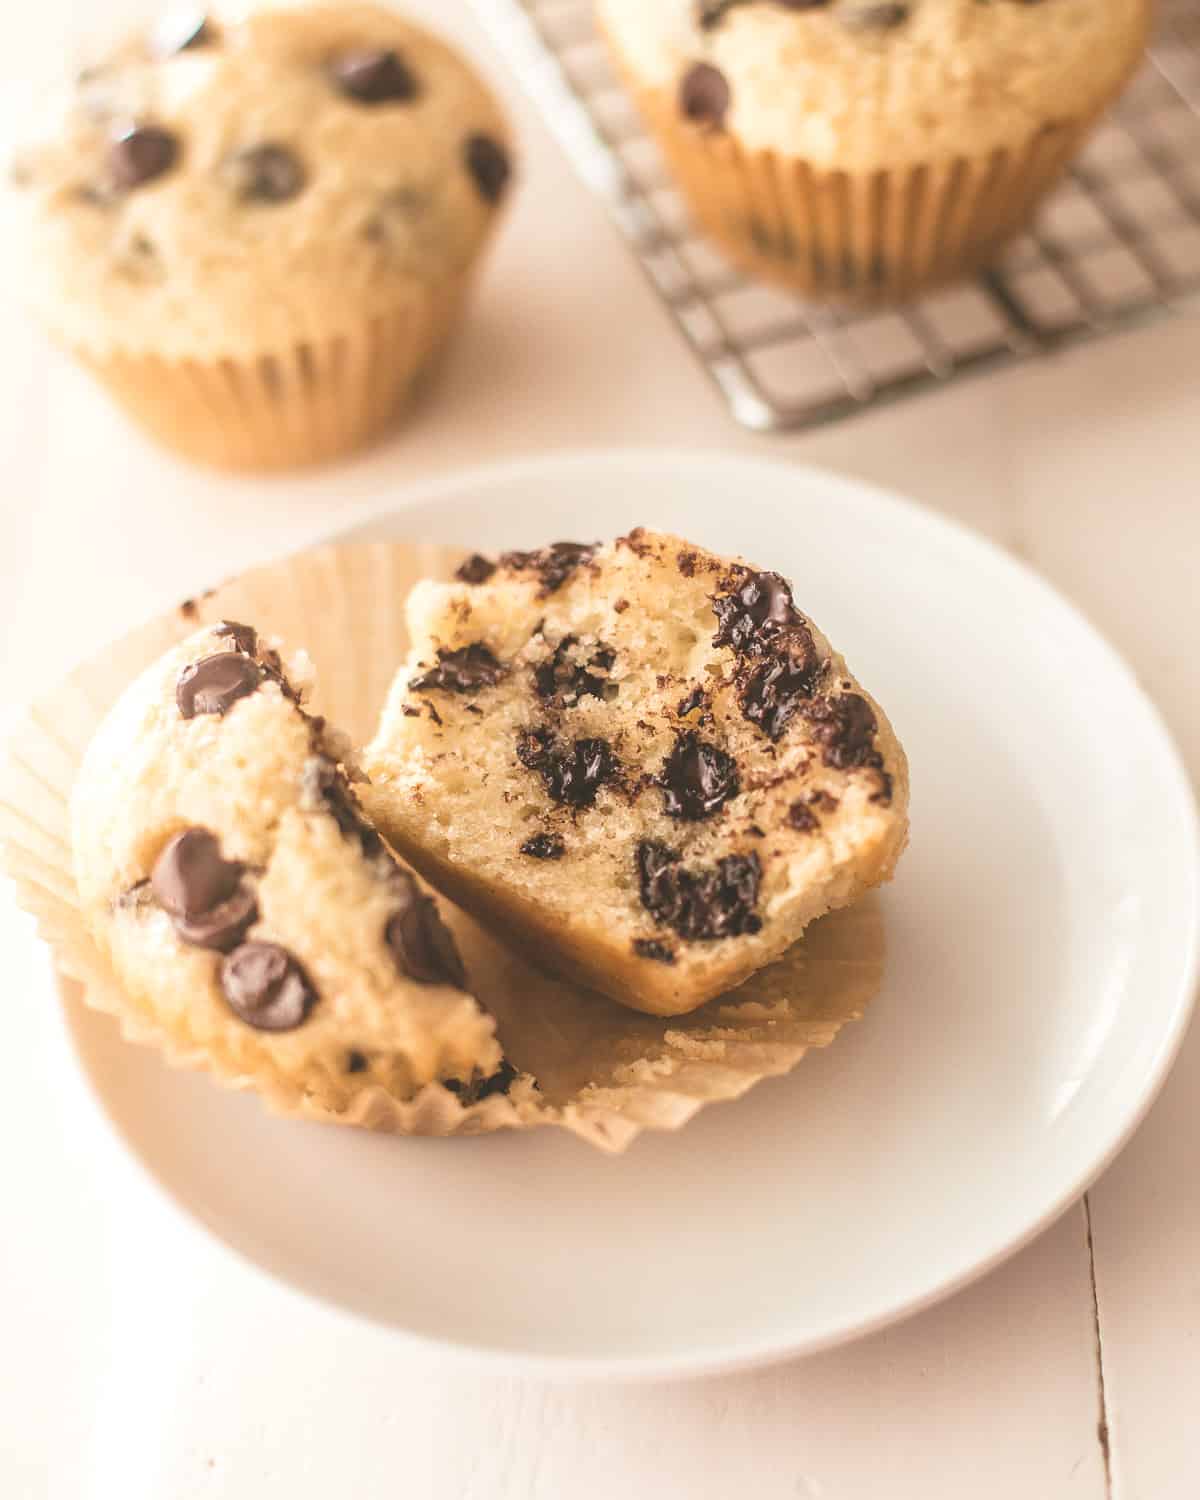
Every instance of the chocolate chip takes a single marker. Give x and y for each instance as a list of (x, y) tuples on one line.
[(378, 76), (651, 948), (244, 637), (686, 563), (140, 154), (476, 569), (190, 876), (224, 926), (872, 15), (621, 606), (756, 610), (553, 564), (575, 776), (466, 670), (326, 787), (266, 987), (772, 690), (567, 680), (704, 903), (704, 95), (498, 1082), (544, 846), (421, 943), (802, 819), (845, 727), (697, 698), (264, 174), (533, 748), (183, 27), (214, 684), (489, 166), (697, 779), (356, 1061)]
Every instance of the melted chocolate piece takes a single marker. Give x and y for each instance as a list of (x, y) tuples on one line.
[(697, 698), (488, 163), (697, 779), (553, 564), (544, 846), (190, 876), (326, 786), (802, 819), (266, 987), (466, 670), (181, 28), (140, 154), (498, 1082), (264, 174), (476, 569), (704, 96), (533, 748), (772, 690), (378, 76), (845, 728), (421, 943), (224, 927), (214, 684), (651, 948), (755, 612), (356, 1061), (574, 776), (705, 903), (561, 677), (244, 637)]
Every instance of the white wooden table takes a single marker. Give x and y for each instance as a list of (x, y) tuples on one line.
[(1074, 1371)]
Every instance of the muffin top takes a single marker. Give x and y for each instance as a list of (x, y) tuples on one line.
[(858, 83), (237, 180)]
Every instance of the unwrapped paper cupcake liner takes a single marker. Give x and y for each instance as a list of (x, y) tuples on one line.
[(870, 236), (593, 1068)]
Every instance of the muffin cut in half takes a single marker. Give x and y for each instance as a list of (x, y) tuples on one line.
[(640, 761), (255, 920)]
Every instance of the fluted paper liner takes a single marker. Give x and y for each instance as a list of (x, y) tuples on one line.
[(602, 1072)]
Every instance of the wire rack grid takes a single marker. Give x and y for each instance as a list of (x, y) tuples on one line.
[(1117, 244)]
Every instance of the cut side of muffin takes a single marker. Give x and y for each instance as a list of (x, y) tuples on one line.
[(639, 761), (255, 919)]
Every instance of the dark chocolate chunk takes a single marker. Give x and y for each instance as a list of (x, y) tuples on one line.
[(214, 684), (478, 1088), (544, 846), (772, 690), (704, 903), (802, 818), (466, 670), (872, 15), (326, 786), (374, 76), (562, 677), (489, 166), (421, 943), (244, 637), (553, 564), (264, 174), (476, 569), (757, 609), (697, 698), (356, 1061), (574, 776), (704, 95), (845, 727), (222, 927), (183, 27), (533, 748), (266, 987), (651, 948), (697, 779), (190, 876), (140, 154)]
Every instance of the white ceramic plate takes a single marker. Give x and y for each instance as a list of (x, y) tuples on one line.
[(1042, 934)]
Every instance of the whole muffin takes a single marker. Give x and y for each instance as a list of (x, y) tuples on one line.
[(865, 149), (257, 228)]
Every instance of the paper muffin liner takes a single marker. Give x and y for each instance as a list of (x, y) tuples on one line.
[(277, 409), (882, 235), (602, 1072)]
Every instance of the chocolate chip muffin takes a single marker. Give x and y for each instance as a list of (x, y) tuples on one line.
[(257, 228), (253, 916), (865, 149), (641, 761)]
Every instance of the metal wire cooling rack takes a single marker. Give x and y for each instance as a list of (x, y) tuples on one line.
[(1116, 245)]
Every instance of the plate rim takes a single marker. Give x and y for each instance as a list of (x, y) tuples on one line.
[(728, 1356)]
